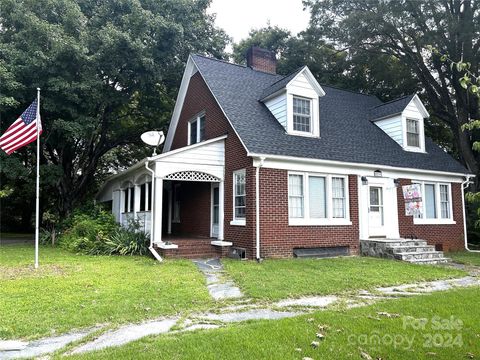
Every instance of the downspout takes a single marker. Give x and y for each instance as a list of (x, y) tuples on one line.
[(464, 186), (154, 252), (257, 208)]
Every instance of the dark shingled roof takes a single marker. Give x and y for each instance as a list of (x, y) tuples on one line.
[(280, 84), (390, 108), (346, 132)]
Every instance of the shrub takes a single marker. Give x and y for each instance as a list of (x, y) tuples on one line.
[(97, 233), (128, 241)]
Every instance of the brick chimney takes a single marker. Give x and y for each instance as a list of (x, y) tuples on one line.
[(261, 60)]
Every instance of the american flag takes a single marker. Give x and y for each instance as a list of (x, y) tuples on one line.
[(23, 131)]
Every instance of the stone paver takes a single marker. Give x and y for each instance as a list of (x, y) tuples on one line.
[(255, 314), (127, 334), (312, 301), (219, 287), (40, 347)]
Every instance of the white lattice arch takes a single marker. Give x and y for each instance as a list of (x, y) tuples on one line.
[(191, 176)]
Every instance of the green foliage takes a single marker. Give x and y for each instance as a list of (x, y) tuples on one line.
[(108, 71), (128, 241), (95, 232), (88, 233)]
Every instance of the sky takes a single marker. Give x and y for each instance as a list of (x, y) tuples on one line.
[(238, 17)]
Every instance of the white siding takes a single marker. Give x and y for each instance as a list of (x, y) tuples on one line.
[(301, 86), (412, 111), (393, 128), (278, 108)]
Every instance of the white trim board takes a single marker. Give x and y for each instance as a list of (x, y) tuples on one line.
[(346, 168)]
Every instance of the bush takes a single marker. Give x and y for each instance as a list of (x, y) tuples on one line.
[(97, 233), (128, 241)]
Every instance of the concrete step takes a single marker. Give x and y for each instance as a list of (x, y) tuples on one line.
[(442, 260), (407, 256), (406, 249)]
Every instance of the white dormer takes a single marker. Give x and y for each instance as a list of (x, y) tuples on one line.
[(403, 120), (293, 101)]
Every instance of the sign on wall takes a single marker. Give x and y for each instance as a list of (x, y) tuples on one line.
[(412, 194)]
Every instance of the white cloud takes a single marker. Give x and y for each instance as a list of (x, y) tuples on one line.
[(237, 18)]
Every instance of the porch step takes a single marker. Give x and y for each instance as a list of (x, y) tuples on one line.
[(413, 251), (194, 248)]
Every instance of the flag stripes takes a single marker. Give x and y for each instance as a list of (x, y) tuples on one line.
[(23, 131)]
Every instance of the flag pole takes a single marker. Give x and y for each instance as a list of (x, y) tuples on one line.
[(37, 200)]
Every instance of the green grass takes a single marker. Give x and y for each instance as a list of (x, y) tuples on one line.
[(72, 291), (347, 334), (279, 279), (465, 257)]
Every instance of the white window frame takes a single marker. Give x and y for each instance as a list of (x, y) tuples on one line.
[(310, 125), (238, 221), (421, 134), (438, 212), (314, 115), (329, 220), (195, 120)]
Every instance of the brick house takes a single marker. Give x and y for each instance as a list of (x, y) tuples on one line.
[(261, 165)]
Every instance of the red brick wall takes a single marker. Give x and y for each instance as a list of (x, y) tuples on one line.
[(195, 210), (447, 237), (198, 99), (278, 239), (262, 60)]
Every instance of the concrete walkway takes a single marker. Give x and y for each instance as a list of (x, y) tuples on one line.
[(228, 314)]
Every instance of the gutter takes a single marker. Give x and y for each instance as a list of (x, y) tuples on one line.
[(464, 186), (154, 252), (257, 208)]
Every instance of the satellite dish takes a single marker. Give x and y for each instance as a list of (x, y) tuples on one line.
[(153, 138)]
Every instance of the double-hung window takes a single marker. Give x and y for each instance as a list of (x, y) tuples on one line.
[(315, 199), (196, 130), (437, 203), (239, 197), (413, 133), (302, 115)]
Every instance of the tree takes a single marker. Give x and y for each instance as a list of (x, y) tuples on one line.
[(108, 71), (403, 29)]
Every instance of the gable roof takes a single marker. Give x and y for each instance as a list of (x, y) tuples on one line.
[(348, 135), (390, 108)]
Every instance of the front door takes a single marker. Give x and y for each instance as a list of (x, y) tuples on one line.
[(376, 216), (215, 209)]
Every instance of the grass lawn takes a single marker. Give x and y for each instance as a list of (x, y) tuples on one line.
[(70, 291), (465, 257), (279, 279), (347, 334)]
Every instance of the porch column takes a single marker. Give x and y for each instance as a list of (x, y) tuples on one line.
[(157, 232), (221, 205), (136, 201), (170, 196)]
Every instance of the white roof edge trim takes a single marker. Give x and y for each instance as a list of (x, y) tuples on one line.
[(316, 86), (182, 92), (420, 105), (360, 165), (186, 148)]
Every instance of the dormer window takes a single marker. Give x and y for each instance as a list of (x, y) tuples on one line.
[(302, 118), (413, 133), (196, 130)]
